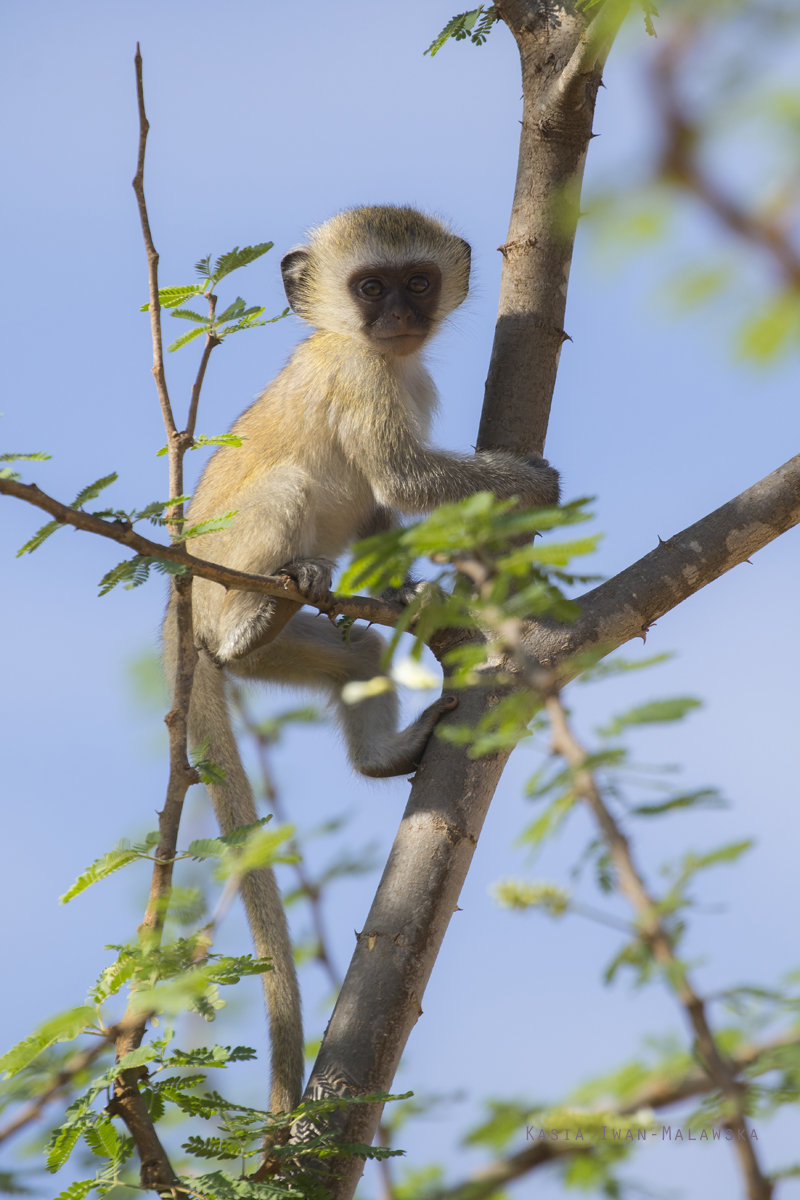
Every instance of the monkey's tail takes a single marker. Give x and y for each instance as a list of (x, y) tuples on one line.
[(235, 806)]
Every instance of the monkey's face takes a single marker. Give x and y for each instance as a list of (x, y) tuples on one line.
[(397, 305)]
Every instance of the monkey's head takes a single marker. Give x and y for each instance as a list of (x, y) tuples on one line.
[(385, 275)]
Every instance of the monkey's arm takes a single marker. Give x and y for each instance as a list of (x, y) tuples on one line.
[(409, 476)]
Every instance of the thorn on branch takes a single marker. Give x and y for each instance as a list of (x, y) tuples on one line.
[(518, 244)]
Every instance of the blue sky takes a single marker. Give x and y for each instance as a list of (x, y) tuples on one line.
[(266, 119)]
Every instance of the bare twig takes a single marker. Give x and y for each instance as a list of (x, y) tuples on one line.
[(487, 1181), (152, 265), (720, 1070), (211, 342)]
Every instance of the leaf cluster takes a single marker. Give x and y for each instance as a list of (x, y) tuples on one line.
[(216, 326), (475, 25), (518, 573)]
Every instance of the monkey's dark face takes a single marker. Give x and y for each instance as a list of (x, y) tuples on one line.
[(398, 305)]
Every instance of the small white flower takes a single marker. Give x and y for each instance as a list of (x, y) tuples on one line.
[(412, 674), (355, 692)]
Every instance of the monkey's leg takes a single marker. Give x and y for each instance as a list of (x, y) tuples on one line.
[(247, 620), (235, 806), (312, 654)]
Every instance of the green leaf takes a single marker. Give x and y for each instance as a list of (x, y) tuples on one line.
[(213, 525), (102, 1140), (78, 1190), (134, 1058), (171, 297), (208, 771), (657, 712), (93, 489), (618, 665), (237, 258), (154, 512), (216, 1056), (38, 456), (461, 26), (649, 9), (133, 572), (513, 893), (704, 798), (40, 536), (724, 854), (773, 330), (61, 1146), (63, 1028), (221, 439), (233, 312), (102, 867), (549, 822), (184, 341), (188, 314), (213, 1147)]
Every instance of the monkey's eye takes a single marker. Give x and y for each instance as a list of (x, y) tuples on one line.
[(373, 289), (418, 284)]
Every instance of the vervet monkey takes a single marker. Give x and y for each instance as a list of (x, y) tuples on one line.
[(335, 446)]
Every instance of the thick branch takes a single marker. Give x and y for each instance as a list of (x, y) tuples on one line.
[(561, 70), (627, 605)]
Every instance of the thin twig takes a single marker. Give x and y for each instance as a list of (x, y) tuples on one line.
[(721, 1071), (211, 341), (488, 1180), (156, 1170), (367, 608), (152, 263)]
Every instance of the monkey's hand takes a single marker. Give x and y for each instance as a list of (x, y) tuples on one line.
[(548, 483), (312, 577), (530, 478), (410, 589)]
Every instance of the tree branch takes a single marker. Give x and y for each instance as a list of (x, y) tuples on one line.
[(721, 1072), (366, 608), (627, 605), (488, 1180), (559, 92), (152, 264), (156, 1171)]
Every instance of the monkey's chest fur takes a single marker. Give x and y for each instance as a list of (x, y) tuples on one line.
[(295, 484)]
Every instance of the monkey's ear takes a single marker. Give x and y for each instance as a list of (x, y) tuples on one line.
[(294, 266), (467, 251)]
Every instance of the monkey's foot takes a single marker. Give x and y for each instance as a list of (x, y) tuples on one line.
[(312, 577), (403, 753), (410, 589)]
